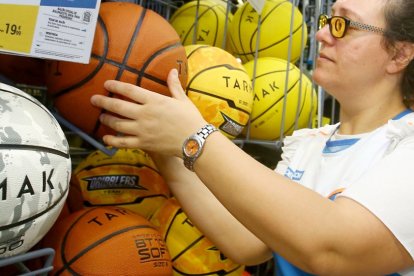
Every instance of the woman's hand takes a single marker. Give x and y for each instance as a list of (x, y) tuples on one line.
[(148, 120)]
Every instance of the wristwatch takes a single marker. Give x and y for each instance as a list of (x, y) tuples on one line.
[(193, 145)]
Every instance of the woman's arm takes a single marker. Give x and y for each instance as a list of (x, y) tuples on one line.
[(316, 234), (209, 215)]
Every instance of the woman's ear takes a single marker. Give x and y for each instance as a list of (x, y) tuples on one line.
[(402, 54)]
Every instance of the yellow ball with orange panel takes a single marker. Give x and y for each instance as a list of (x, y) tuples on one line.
[(191, 252), (218, 84), (128, 179)]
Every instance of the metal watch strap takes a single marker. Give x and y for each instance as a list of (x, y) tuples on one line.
[(201, 137), (205, 131)]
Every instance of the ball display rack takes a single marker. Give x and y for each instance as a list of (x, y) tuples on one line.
[(267, 152), (44, 255)]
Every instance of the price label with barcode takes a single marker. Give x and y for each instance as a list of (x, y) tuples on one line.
[(54, 29)]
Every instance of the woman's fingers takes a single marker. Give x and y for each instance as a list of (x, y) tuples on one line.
[(146, 119), (122, 141), (124, 108), (174, 85), (124, 126), (135, 93)]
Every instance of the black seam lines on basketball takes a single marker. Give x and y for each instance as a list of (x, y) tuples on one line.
[(300, 109), (239, 32), (209, 8), (170, 224), (276, 102), (252, 47), (178, 212), (64, 240), (271, 45), (196, 49), (101, 62), (34, 148), (142, 74), (37, 214), (30, 100), (121, 66), (91, 167), (137, 200), (223, 272), (229, 102), (188, 247), (131, 44), (261, 23), (304, 101), (98, 242), (220, 272), (275, 71)]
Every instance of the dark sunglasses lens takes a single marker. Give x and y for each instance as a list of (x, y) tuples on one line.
[(338, 26)]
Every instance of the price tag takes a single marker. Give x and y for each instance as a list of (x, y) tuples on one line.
[(17, 24), (53, 29)]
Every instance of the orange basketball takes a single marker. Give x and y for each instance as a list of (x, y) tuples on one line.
[(107, 241), (132, 44)]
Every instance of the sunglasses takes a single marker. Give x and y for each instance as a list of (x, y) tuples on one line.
[(338, 25)]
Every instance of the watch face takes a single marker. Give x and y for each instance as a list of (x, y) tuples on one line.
[(192, 147)]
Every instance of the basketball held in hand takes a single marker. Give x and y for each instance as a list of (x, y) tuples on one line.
[(131, 44)]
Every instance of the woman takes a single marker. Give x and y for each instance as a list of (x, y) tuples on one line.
[(352, 213)]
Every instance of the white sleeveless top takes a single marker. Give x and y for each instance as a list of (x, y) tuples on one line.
[(376, 170)]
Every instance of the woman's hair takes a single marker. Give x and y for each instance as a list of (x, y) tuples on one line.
[(399, 26)]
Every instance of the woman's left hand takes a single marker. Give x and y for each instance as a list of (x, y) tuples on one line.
[(148, 120)]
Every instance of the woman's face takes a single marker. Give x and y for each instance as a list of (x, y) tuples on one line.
[(357, 61)]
